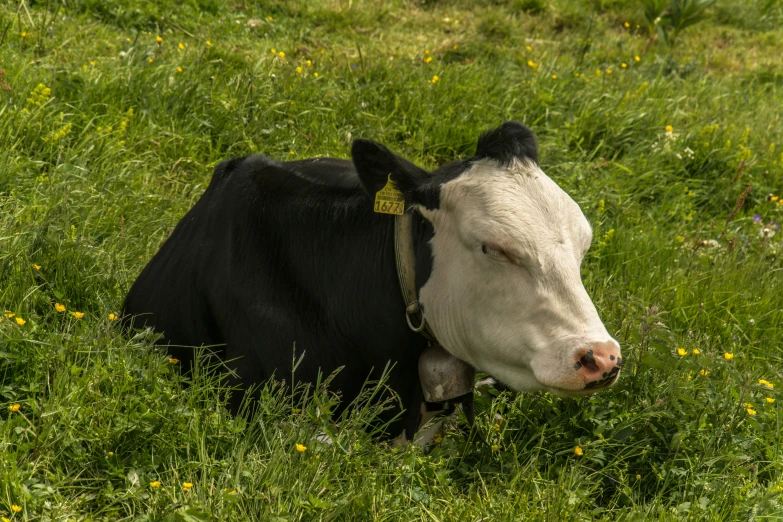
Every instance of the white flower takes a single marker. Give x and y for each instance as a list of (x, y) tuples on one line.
[(766, 232)]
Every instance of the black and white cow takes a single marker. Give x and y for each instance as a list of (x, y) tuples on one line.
[(282, 254)]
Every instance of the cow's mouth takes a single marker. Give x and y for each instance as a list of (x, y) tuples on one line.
[(605, 381)]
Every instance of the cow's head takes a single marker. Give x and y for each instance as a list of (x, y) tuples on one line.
[(505, 292)]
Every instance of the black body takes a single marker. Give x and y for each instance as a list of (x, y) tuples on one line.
[(276, 255)]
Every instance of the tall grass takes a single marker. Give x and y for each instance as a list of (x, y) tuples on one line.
[(108, 136)]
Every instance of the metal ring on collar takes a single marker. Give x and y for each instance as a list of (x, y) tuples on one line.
[(415, 309)]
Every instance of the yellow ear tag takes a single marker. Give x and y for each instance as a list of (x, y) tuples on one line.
[(389, 200)]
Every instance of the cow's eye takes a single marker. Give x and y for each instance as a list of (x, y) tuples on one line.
[(494, 253)]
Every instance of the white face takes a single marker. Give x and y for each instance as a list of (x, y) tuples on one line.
[(505, 293)]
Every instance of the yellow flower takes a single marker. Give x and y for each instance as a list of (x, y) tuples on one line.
[(496, 427), (428, 59), (531, 63), (155, 484), (682, 352), (20, 321), (159, 39), (186, 486), (774, 198), (554, 77), (301, 448), (173, 360), (770, 400), (209, 44), (669, 129), (495, 447), (704, 373), (181, 46), (292, 153), (728, 356), (298, 70), (638, 477), (627, 25), (623, 65), (696, 351), (15, 508), (112, 317), (150, 59), (608, 71), (435, 79), (747, 404), (766, 383), (78, 315), (37, 267), (578, 451), (59, 307), (528, 48), (14, 407), (23, 34), (315, 75), (269, 18), (309, 63), (179, 69), (437, 438), (426, 51), (281, 54), (455, 47), (637, 59), (111, 453), (6, 519), (751, 411), (274, 51), (9, 314)]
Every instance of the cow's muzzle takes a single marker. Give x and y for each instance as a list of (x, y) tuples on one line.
[(599, 364)]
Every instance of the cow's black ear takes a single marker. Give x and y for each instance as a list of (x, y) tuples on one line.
[(510, 140), (374, 163)]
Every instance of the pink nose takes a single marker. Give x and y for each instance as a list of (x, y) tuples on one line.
[(599, 364)]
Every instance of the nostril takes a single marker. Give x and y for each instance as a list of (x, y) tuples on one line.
[(588, 362)]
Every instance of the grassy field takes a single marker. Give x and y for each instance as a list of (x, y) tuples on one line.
[(113, 113)]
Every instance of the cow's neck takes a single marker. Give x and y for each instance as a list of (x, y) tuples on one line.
[(422, 233), (353, 267)]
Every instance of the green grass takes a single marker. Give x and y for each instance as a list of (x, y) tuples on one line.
[(99, 163)]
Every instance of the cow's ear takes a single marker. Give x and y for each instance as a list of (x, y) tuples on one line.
[(510, 140), (374, 163)]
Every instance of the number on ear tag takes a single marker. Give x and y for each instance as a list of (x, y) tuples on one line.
[(389, 200)]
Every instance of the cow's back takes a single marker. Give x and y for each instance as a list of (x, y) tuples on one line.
[(176, 291), (164, 295)]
